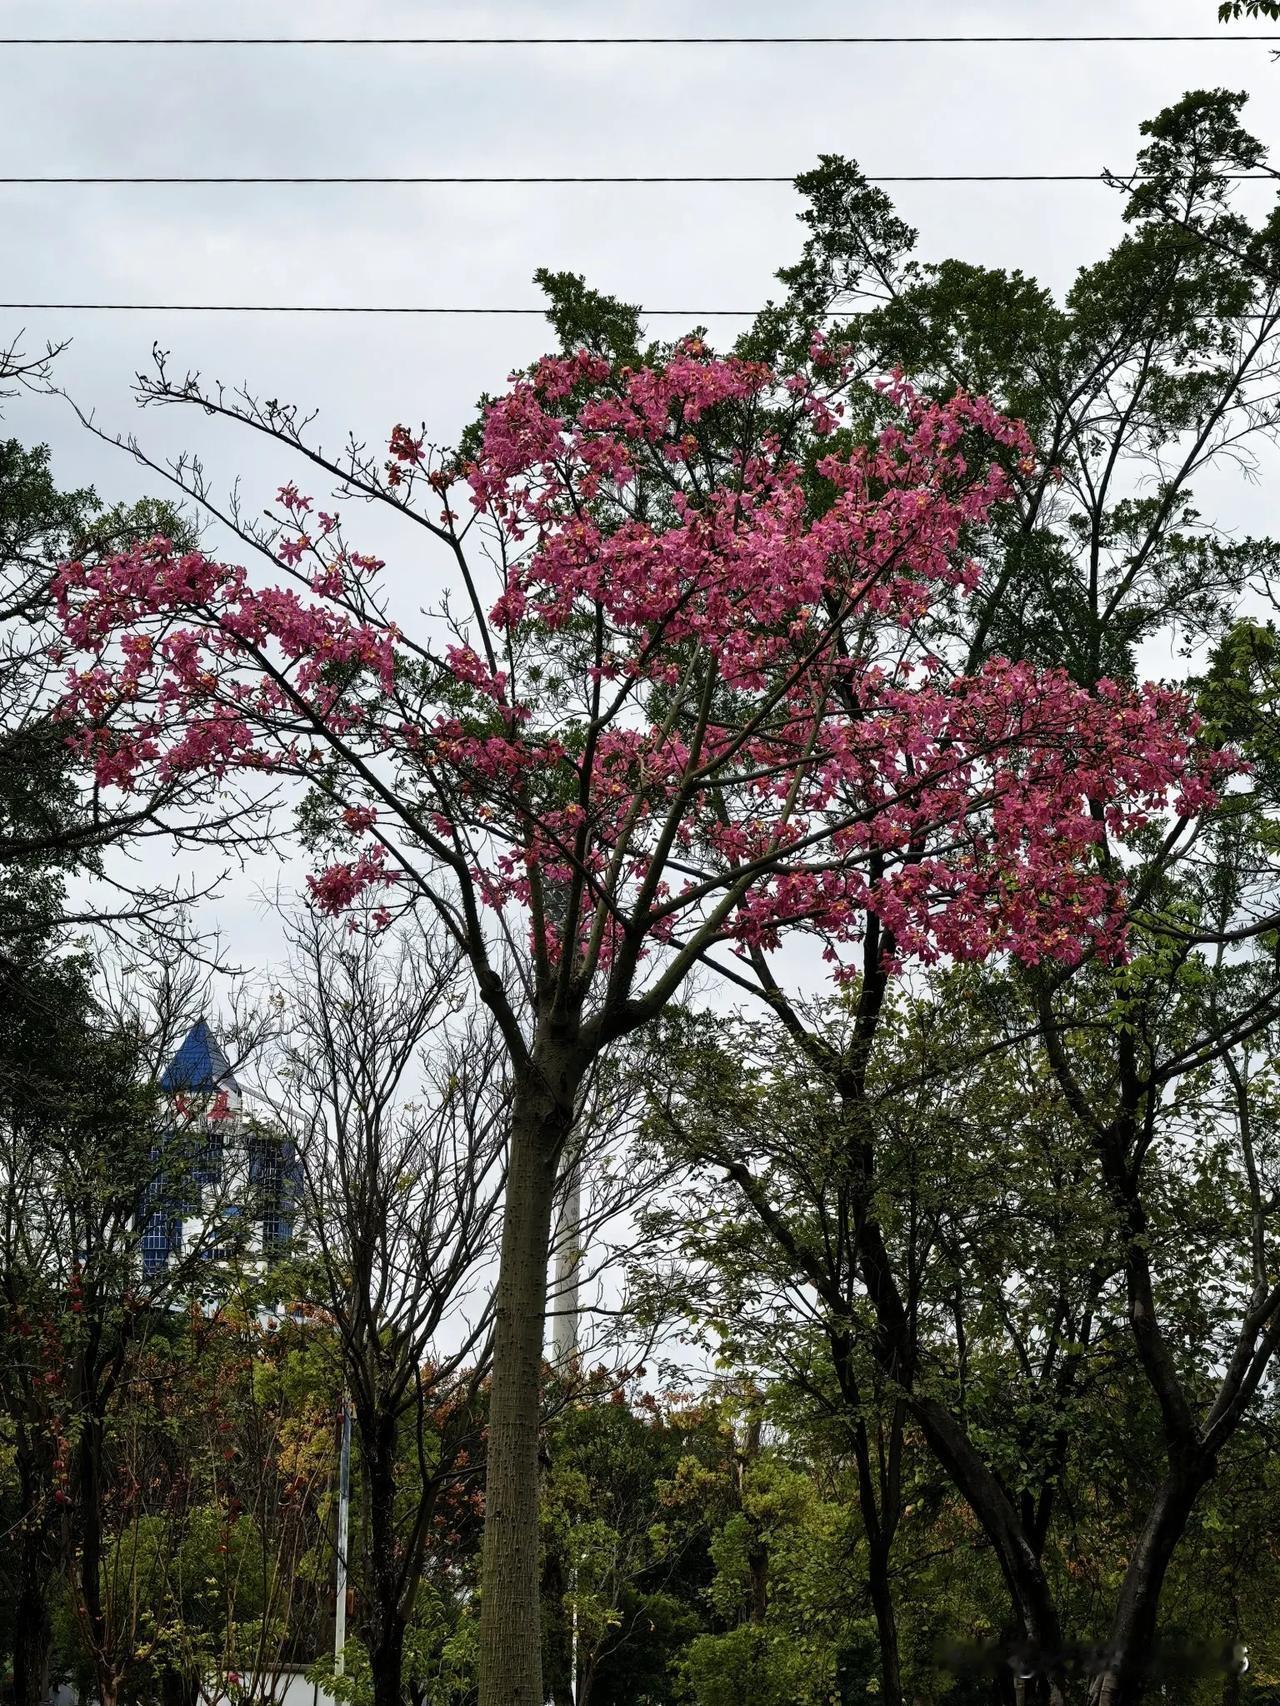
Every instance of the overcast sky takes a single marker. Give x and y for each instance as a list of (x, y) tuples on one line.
[(553, 109)]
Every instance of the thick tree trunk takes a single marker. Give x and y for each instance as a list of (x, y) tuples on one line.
[(1125, 1680), (510, 1612)]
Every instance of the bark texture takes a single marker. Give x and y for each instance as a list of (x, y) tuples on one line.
[(510, 1650)]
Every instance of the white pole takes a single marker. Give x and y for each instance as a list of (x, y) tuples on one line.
[(573, 1646), (564, 1340), (564, 1336), (344, 1517)]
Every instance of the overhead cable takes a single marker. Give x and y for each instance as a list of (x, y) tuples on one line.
[(615, 178), (695, 314), (1224, 38)]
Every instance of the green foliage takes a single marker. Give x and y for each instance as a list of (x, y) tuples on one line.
[(48, 828), (37, 790), (1023, 1143), (439, 1657), (743, 1667), (630, 1505), (1142, 353)]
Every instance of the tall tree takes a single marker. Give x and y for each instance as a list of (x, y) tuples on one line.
[(1161, 361), (54, 816), (397, 1105), (698, 712), (67, 1070)]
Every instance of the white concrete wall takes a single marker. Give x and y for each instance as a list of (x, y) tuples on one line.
[(293, 1689)]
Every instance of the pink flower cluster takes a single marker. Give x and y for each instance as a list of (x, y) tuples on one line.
[(985, 804), (694, 699), (175, 699), (740, 567), (339, 887)]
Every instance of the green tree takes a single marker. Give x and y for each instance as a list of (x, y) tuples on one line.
[(1160, 361), (51, 822), (1232, 10), (634, 1490)]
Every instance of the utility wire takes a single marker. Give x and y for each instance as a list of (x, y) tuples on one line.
[(607, 41), (695, 314), (323, 308), (637, 178)]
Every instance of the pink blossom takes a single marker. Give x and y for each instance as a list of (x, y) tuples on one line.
[(291, 550), (337, 888), (840, 771)]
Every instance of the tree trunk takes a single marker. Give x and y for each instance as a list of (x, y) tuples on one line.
[(32, 1622), (881, 1591), (33, 1632), (1133, 1628), (1030, 1595), (387, 1624), (88, 1497), (557, 1630), (386, 1662), (1232, 1689), (178, 1688), (510, 1611), (879, 1500), (895, 1348)]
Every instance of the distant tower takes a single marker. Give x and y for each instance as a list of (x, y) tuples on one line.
[(200, 1067), (213, 1167)]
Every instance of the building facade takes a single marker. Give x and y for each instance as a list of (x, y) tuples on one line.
[(225, 1184)]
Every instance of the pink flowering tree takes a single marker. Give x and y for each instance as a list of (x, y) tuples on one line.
[(672, 710)]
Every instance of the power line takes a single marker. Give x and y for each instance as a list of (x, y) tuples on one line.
[(696, 314), (611, 41), (631, 178), (327, 308)]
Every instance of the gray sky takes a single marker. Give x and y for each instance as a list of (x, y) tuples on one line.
[(553, 109)]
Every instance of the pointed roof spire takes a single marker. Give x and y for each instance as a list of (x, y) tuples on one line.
[(199, 1064)]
